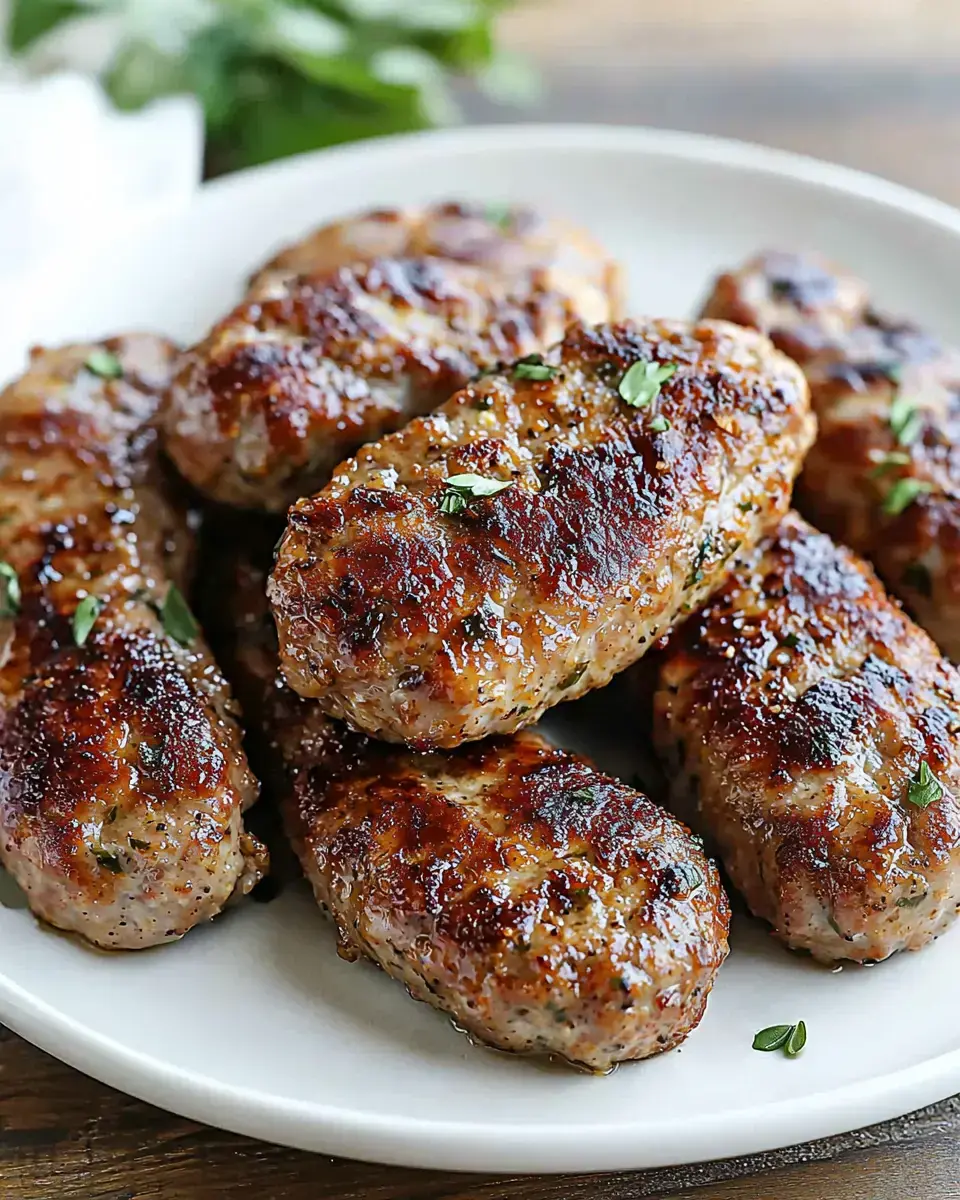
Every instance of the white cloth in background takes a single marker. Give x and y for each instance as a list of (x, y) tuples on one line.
[(74, 171)]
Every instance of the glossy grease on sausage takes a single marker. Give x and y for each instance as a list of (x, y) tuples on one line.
[(122, 777), (310, 366), (793, 713), (432, 628), (547, 908), (884, 474)]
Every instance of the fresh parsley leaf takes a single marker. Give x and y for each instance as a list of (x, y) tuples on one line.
[(696, 570), (107, 860), (104, 364), (924, 788), (903, 493), (533, 367), (178, 621), (461, 489), (659, 424), (584, 795), (791, 1039), (9, 591), (774, 1037), (904, 419), (85, 617), (792, 640), (452, 504), (917, 575), (895, 458), (641, 382), (796, 1041)]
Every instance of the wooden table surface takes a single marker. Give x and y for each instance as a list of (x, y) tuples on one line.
[(871, 83)]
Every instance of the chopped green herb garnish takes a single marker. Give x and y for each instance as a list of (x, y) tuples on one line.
[(917, 575), (110, 861), (903, 493), (924, 788), (895, 458), (533, 367), (582, 795), (137, 844), (641, 382), (104, 364), (773, 1037), (85, 617), (659, 424), (905, 421), (792, 640), (9, 591), (178, 621), (461, 489), (911, 901), (746, 506), (696, 571), (796, 1041), (791, 1039), (574, 677)]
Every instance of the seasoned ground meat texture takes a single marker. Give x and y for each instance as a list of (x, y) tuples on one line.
[(309, 367), (884, 475), (122, 777), (547, 908), (419, 619), (508, 238), (813, 732)]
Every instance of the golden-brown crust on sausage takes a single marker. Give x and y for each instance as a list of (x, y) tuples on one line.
[(310, 366), (434, 629), (794, 711), (507, 238), (859, 363), (544, 906), (122, 779)]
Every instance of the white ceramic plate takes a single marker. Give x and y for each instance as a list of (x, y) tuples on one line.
[(253, 1023)]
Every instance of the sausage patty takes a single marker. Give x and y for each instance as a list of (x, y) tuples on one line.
[(505, 237), (884, 475), (813, 731), (545, 907), (122, 777), (421, 614), (308, 368)]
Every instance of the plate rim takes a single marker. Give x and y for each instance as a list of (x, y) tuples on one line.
[(452, 1145)]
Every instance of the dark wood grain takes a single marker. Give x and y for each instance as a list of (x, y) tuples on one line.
[(871, 85)]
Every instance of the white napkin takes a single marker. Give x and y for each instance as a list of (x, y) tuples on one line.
[(74, 171)]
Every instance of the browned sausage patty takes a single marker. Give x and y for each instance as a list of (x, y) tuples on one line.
[(884, 474), (505, 237), (546, 907), (308, 368), (421, 616), (813, 731), (122, 777)]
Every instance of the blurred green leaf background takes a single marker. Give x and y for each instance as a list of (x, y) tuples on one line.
[(276, 77)]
